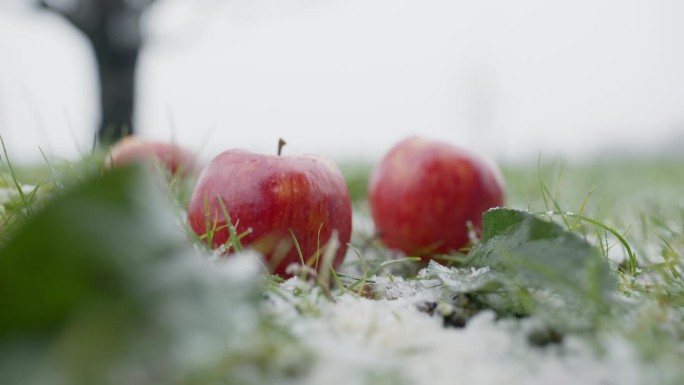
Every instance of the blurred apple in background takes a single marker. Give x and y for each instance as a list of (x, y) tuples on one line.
[(423, 194), (276, 199), (175, 159)]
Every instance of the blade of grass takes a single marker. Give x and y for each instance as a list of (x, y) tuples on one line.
[(668, 260), (24, 199), (329, 254), (630, 253), (234, 240), (297, 247), (318, 246)]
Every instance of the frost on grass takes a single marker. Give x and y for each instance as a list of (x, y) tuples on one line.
[(357, 338), (554, 319)]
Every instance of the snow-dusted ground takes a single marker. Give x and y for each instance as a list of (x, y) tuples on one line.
[(357, 340), (210, 319)]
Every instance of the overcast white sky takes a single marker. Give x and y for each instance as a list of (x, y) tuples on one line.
[(347, 79)]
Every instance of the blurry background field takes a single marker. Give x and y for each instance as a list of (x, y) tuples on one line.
[(577, 80)]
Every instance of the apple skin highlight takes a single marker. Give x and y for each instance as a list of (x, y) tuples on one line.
[(423, 193), (275, 197)]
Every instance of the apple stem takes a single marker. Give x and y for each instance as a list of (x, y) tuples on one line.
[(281, 144)]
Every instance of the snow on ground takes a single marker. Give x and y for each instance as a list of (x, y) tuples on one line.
[(361, 341)]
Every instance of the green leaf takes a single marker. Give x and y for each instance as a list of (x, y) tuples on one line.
[(540, 253), (541, 256), (498, 220), (79, 249), (101, 285)]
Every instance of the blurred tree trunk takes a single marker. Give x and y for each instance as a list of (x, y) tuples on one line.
[(113, 28)]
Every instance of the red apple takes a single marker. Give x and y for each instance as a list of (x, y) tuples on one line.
[(276, 199), (175, 159), (424, 192)]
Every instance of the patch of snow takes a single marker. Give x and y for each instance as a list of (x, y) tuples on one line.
[(357, 339)]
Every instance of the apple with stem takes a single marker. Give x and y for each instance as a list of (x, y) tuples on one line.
[(425, 194), (175, 159), (292, 209)]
